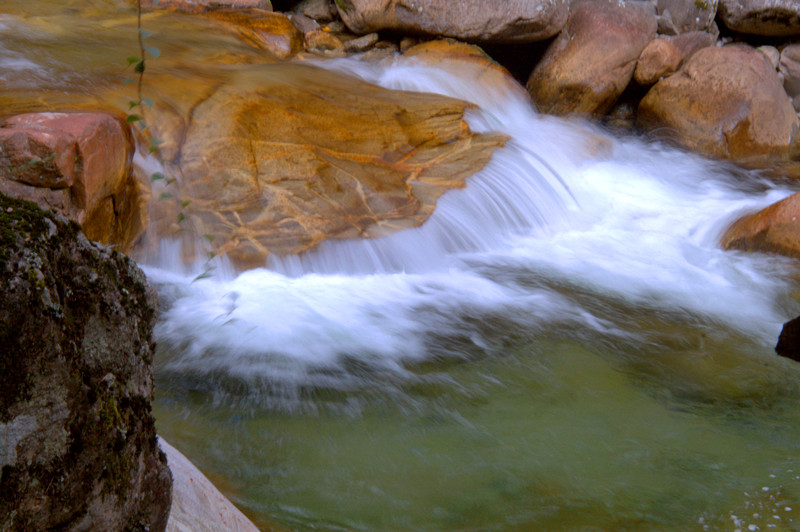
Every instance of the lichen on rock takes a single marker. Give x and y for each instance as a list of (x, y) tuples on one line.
[(79, 450)]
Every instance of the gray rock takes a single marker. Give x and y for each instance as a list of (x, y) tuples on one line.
[(77, 438), (790, 68), (774, 18), (497, 21), (679, 16), (319, 10), (361, 44)]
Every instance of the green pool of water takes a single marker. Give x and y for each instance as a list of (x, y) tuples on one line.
[(548, 434)]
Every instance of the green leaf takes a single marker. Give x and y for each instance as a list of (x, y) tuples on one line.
[(145, 33), (210, 238), (205, 275), (211, 255), (165, 195), (132, 104), (152, 50), (129, 82), (181, 217), (133, 59), (185, 204), (132, 118), (156, 176), (340, 4), (139, 68), (148, 102), (171, 180)]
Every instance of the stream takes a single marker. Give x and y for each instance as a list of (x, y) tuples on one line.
[(561, 346)]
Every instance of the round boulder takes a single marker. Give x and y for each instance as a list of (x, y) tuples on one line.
[(725, 102), (592, 60)]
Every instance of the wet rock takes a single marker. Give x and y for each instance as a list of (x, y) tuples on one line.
[(273, 32), (361, 44), (591, 62), (497, 21), (459, 57), (775, 229), (681, 16), (725, 102), (78, 164), (665, 55), (197, 505), (78, 447), (205, 5), (789, 340), (774, 18), (291, 155), (324, 43)]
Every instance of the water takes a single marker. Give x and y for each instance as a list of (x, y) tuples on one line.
[(561, 346)]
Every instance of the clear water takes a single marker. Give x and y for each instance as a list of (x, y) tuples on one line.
[(561, 347)]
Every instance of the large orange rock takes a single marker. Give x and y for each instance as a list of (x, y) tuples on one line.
[(78, 164), (273, 32), (775, 229), (288, 155), (592, 60), (496, 21), (725, 102)]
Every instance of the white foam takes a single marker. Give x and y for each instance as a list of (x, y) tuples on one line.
[(637, 224)]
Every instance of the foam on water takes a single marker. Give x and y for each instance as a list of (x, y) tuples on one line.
[(636, 224)]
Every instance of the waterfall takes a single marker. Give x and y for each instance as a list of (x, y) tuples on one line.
[(566, 227)]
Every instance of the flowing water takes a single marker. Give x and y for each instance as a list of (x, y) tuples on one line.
[(562, 346)]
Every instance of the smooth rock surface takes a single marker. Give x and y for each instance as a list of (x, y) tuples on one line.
[(789, 65), (592, 60), (78, 447), (775, 229), (273, 32), (665, 55), (197, 505), (282, 158), (775, 18), (78, 164), (497, 21), (726, 102)]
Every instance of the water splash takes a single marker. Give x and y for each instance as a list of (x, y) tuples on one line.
[(566, 227)]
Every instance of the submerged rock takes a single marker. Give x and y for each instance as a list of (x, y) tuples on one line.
[(726, 102), (592, 60), (497, 21), (197, 505), (291, 155), (78, 448), (78, 164)]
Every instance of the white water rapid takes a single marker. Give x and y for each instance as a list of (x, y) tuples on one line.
[(546, 237)]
